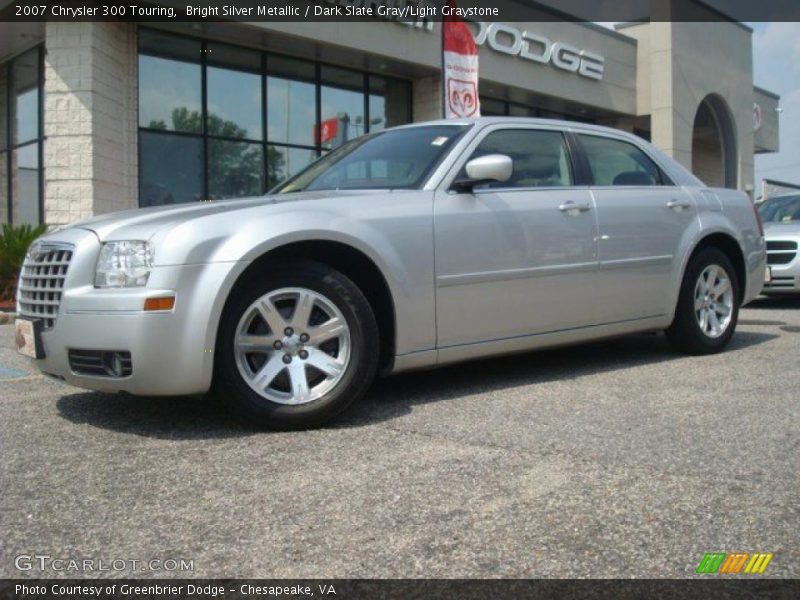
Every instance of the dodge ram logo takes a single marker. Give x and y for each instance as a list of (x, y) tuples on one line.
[(462, 97)]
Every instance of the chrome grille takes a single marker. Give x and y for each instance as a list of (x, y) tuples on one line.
[(781, 252), (41, 281)]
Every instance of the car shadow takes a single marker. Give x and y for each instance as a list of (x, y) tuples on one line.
[(788, 301), (397, 395), (196, 417)]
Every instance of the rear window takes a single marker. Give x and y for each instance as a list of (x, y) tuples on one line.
[(618, 163)]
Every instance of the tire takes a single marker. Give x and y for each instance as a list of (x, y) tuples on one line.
[(332, 343), (693, 329)]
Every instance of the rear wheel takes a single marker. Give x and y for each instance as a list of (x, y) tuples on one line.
[(708, 305), (297, 347)]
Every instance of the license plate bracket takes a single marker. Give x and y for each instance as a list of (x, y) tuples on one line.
[(28, 337)]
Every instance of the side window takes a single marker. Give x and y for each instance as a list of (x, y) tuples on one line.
[(613, 162), (540, 157)]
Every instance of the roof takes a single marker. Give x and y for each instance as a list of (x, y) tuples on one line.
[(554, 123)]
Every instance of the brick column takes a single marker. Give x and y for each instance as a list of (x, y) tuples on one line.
[(427, 98), (90, 124)]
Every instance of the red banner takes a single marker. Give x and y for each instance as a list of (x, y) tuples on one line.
[(459, 69), (326, 131)]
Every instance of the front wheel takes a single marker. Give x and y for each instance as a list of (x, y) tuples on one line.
[(708, 304), (296, 347)]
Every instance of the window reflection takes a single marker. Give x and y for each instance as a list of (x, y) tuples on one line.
[(25, 184), (342, 107), (25, 100), (235, 169), (291, 111), (170, 82), (235, 97), (291, 101), (21, 139), (389, 102), (284, 162), (234, 90), (492, 108), (170, 168), (3, 106), (230, 127), (3, 187), (518, 110), (169, 95)]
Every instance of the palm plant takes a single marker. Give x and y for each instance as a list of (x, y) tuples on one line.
[(14, 243)]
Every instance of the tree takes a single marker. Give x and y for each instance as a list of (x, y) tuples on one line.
[(235, 168)]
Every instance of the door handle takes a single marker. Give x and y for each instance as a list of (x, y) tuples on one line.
[(679, 204), (571, 207)]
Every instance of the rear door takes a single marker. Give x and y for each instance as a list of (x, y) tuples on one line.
[(642, 218)]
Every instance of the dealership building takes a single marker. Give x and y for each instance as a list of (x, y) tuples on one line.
[(103, 116)]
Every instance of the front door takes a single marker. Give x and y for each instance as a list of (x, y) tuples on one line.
[(518, 257)]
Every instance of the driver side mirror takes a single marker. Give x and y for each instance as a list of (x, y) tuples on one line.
[(484, 169)]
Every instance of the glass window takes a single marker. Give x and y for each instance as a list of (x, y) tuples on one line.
[(3, 106), (221, 150), (518, 110), (234, 104), (170, 86), (170, 168), (291, 101), (344, 104), (21, 139), (3, 187), (492, 108), (235, 169), (234, 92), (781, 209), (25, 184), (291, 111), (232, 57), (284, 162), (540, 158), (389, 102), (25, 98), (396, 159), (614, 162), (168, 45)]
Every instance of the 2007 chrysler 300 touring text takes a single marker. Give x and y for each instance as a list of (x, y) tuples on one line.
[(411, 247)]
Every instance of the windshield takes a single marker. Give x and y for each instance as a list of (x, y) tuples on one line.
[(392, 159), (783, 209)]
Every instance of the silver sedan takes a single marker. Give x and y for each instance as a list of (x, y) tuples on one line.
[(404, 249), (781, 216)]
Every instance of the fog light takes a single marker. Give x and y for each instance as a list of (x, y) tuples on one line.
[(163, 303)]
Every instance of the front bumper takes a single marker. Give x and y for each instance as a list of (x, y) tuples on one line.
[(783, 258), (172, 352)]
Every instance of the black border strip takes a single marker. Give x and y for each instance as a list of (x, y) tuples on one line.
[(388, 589)]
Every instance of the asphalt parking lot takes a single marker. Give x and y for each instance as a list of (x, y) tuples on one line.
[(615, 459)]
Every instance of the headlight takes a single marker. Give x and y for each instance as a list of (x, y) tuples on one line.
[(124, 264)]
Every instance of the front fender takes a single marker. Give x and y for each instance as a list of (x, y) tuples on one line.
[(396, 237)]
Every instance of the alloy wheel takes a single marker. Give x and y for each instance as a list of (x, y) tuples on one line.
[(292, 346), (713, 301)]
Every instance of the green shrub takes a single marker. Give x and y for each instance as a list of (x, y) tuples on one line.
[(14, 242)]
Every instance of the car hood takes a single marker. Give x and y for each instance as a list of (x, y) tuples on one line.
[(776, 230), (144, 223)]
